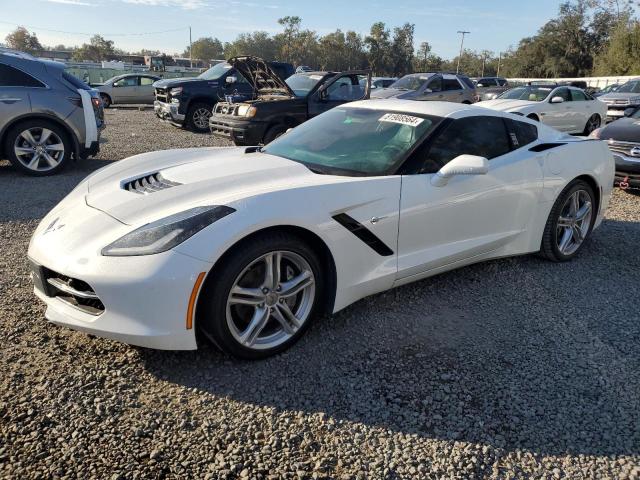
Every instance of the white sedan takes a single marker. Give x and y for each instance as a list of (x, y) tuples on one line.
[(568, 109), (246, 245)]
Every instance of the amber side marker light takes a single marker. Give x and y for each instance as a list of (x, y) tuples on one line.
[(192, 300)]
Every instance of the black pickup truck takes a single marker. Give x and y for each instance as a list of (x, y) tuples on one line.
[(281, 105), (188, 102)]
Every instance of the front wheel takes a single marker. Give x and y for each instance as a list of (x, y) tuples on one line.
[(106, 100), (569, 223), (198, 117), (262, 298), (592, 124)]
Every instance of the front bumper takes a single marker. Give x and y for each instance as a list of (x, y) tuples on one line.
[(627, 174), (240, 131), (614, 112), (168, 112), (141, 300)]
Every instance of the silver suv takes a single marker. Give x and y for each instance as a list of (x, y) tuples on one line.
[(444, 87), (47, 116), (626, 96)]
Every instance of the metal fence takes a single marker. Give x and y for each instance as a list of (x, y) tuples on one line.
[(597, 82), (101, 75)]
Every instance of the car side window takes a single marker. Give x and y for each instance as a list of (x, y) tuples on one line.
[(502, 82), (345, 88), (12, 77), (449, 84), (435, 85), (522, 133), (144, 81), (126, 82), (564, 93), (484, 136), (578, 96)]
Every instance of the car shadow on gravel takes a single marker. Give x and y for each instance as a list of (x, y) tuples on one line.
[(516, 354)]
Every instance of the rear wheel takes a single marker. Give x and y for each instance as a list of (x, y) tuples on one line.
[(592, 124), (38, 147), (263, 297), (198, 117), (106, 100), (569, 223)]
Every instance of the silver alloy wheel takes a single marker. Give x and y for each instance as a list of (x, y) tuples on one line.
[(201, 118), (593, 123), (39, 149), (574, 222), (270, 300)]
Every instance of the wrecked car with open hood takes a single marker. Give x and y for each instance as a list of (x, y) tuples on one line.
[(282, 104)]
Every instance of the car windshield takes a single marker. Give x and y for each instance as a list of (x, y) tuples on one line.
[(411, 82), (532, 94), (302, 84), (353, 141), (215, 72), (629, 87)]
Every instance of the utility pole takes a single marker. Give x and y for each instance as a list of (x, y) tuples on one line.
[(484, 60), (190, 49), (499, 59), (461, 47)]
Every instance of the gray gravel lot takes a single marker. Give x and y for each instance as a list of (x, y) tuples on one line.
[(516, 368)]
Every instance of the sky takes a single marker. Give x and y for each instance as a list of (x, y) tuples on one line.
[(163, 24)]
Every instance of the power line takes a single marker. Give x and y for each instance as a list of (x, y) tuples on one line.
[(31, 27)]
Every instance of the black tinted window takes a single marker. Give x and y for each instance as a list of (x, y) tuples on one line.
[(524, 133), (564, 93), (12, 77), (467, 81), (483, 136), (435, 85), (451, 84), (502, 82), (486, 82), (578, 96)]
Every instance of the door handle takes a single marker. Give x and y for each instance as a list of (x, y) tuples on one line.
[(10, 100)]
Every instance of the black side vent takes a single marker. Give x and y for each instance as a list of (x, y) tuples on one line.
[(363, 233), (149, 184), (545, 146)]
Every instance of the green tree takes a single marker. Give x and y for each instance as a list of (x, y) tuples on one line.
[(206, 48), (98, 49), (401, 53), (21, 39), (259, 44), (379, 49), (622, 54)]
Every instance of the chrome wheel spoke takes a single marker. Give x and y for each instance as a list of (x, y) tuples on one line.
[(575, 204), (58, 147), (50, 160), (23, 150), (285, 317), (296, 284), (246, 296), (44, 136), (576, 233), (583, 211), (29, 138), (564, 222), (567, 235), (255, 327)]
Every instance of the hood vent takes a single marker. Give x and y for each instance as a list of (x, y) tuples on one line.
[(149, 184)]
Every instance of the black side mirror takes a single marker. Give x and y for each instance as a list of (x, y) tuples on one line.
[(323, 95), (629, 111)]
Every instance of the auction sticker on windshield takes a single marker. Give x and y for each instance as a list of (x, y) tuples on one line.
[(402, 119)]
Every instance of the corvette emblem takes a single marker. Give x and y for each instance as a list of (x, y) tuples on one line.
[(635, 152), (53, 226)]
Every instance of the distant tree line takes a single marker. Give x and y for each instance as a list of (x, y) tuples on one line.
[(588, 37)]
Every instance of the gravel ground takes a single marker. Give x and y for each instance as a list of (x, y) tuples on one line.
[(515, 368)]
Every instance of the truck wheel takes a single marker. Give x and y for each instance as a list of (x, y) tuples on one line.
[(273, 133), (106, 100), (198, 117), (38, 147)]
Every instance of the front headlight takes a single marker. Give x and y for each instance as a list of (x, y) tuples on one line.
[(596, 133), (634, 100), (166, 233), (247, 111), (174, 92)]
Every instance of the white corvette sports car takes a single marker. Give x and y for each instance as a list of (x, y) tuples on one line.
[(245, 245), (568, 109)]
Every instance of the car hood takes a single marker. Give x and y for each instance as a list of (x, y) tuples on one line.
[(263, 79), (505, 105), (202, 176), (392, 93), (617, 96), (624, 130), (175, 82)]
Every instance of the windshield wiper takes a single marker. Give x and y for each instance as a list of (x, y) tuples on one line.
[(316, 170)]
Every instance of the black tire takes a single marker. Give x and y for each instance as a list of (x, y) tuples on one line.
[(533, 117), (106, 100), (593, 123), (466, 102), (195, 120), (549, 247), (41, 167), (274, 132), (212, 303)]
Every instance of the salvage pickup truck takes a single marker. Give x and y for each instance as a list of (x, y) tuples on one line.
[(281, 105), (187, 102)]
